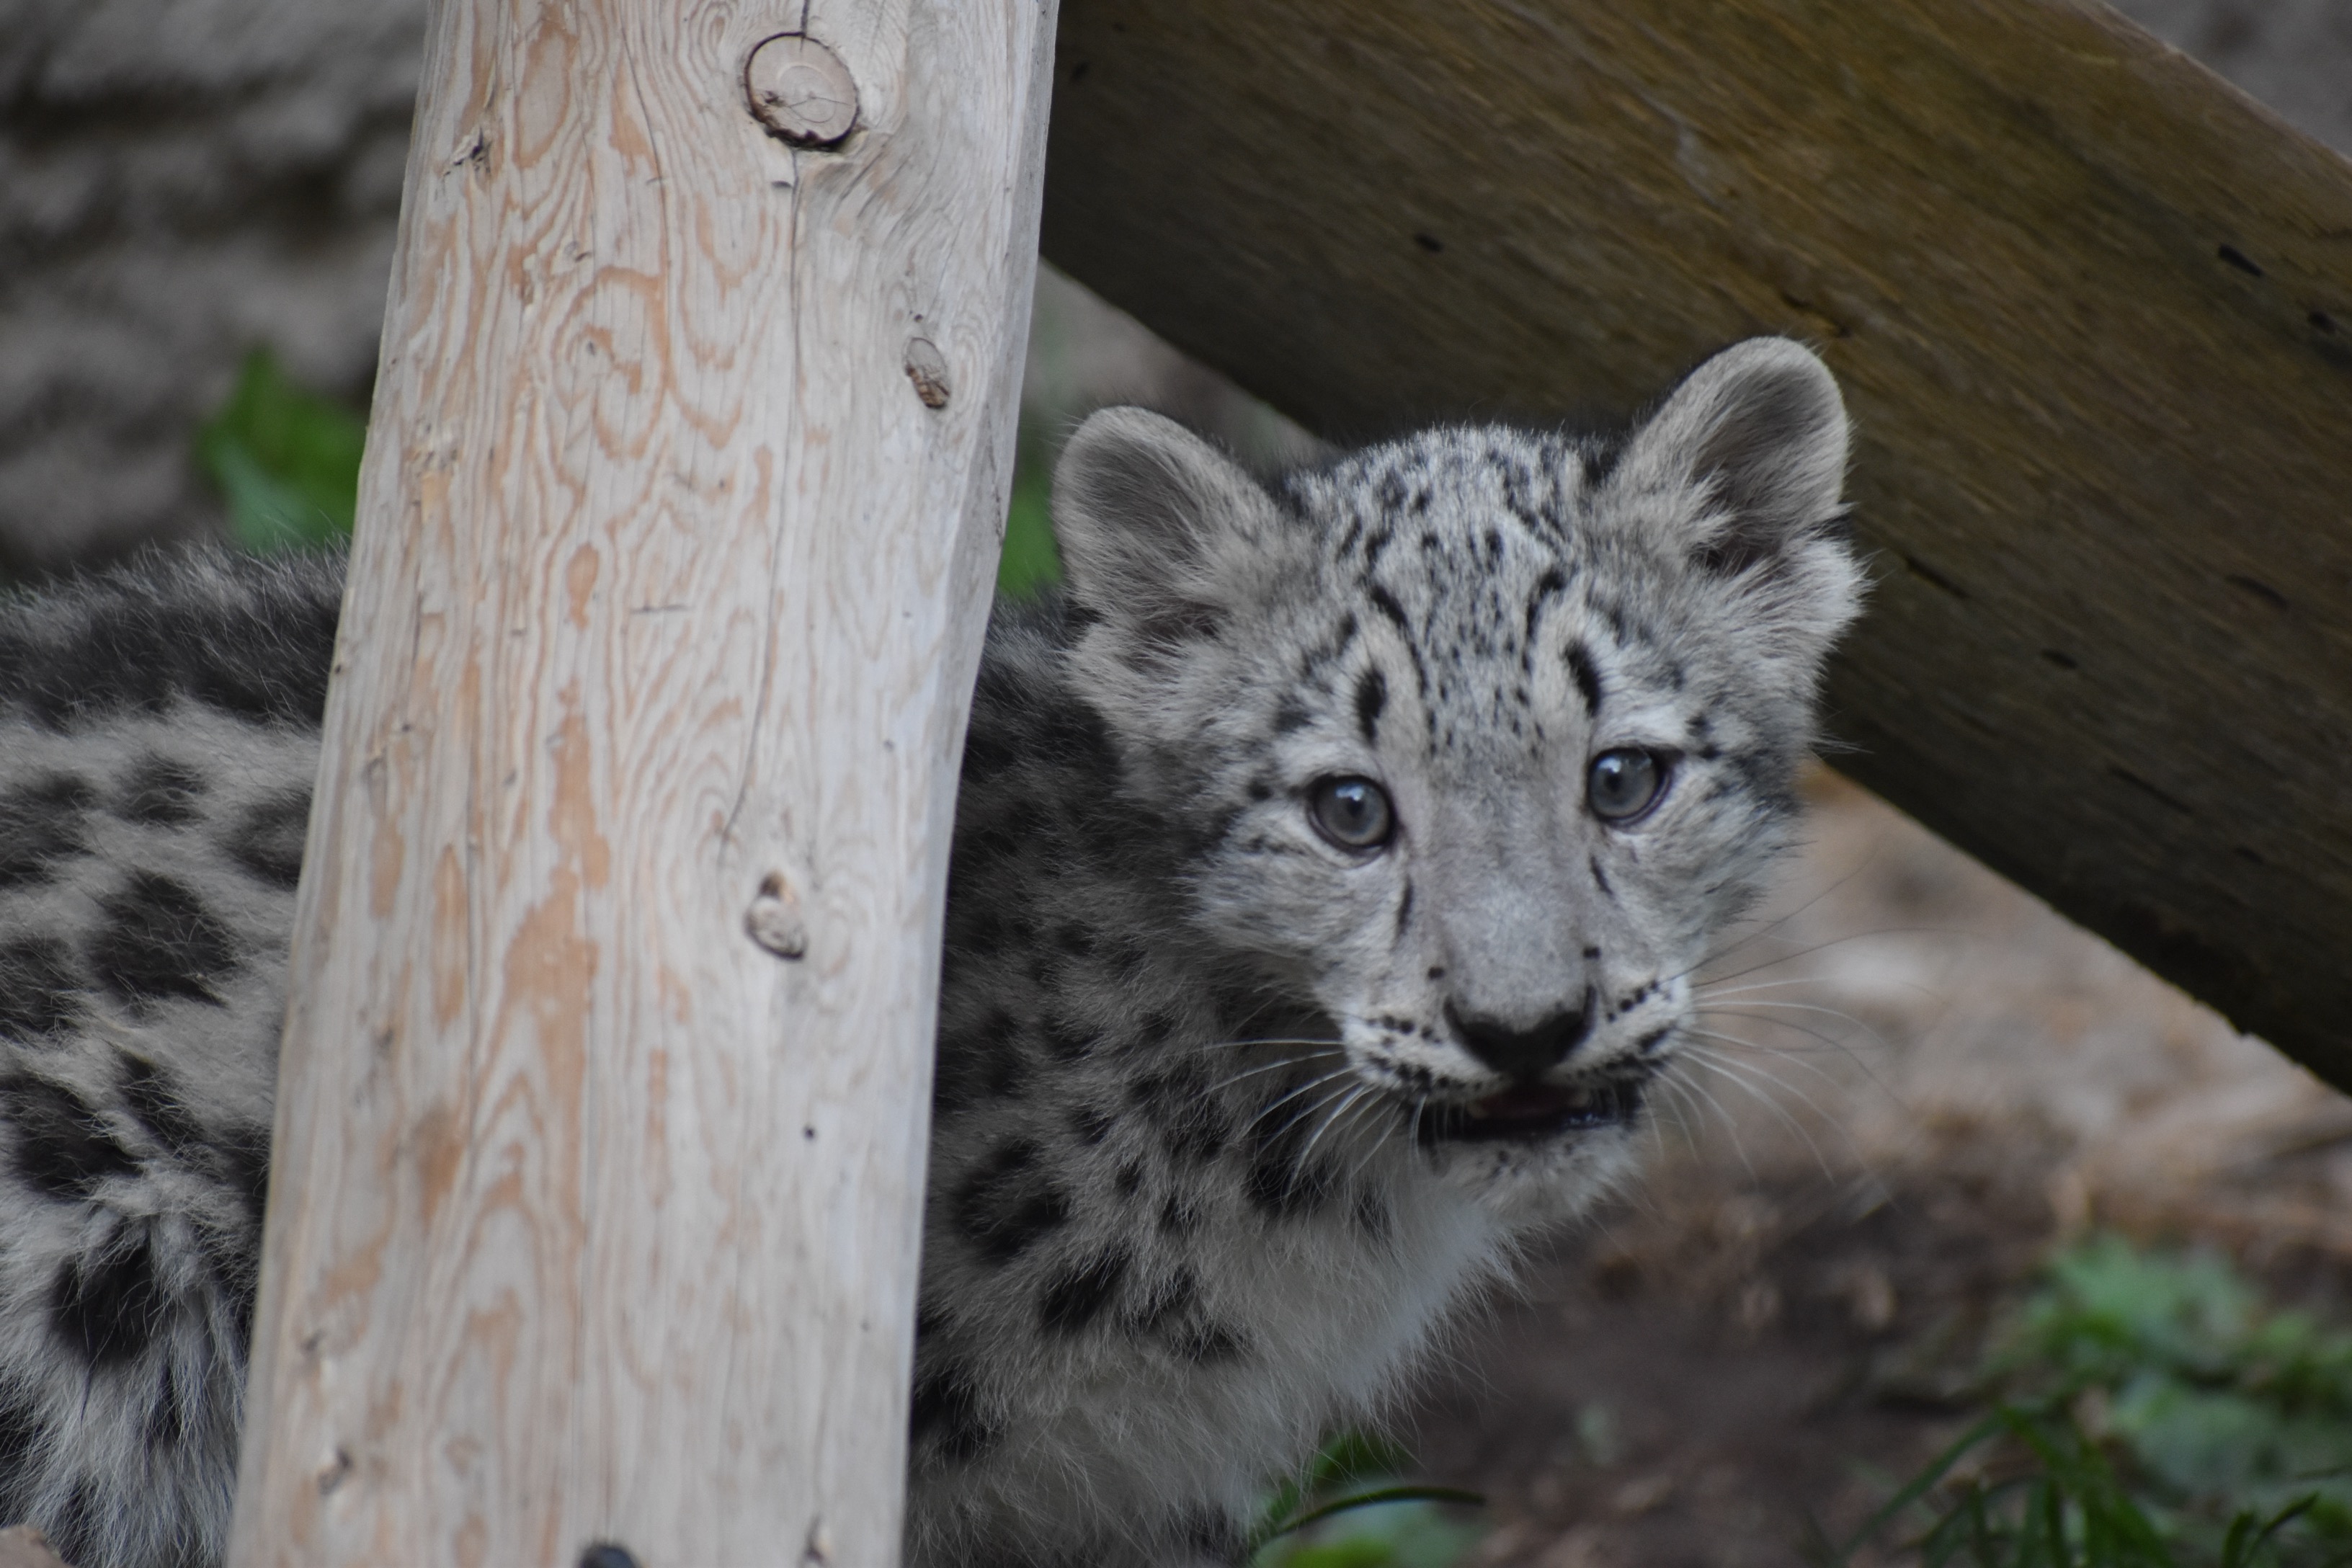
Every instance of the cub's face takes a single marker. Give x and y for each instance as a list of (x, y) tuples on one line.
[(1480, 737)]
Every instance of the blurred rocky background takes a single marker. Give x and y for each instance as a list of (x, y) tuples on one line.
[(183, 180)]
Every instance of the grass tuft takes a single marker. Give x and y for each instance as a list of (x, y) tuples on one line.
[(2152, 1411)]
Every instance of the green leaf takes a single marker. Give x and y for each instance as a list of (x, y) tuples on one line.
[(285, 460), (1031, 562)]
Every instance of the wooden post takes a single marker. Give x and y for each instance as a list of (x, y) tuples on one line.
[(602, 1122), (2092, 311)]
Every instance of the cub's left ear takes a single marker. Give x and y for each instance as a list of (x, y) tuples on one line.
[(1759, 433)]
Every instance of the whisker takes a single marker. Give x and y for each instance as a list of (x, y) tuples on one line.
[(1382, 1132), (1298, 1166), (1766, 929), (1800, 1056), (1238, 1045), (1707, 1098), (1808, 951), (1269, 1108), (1253, 1072), (1843, 1047), (1714, 1061)]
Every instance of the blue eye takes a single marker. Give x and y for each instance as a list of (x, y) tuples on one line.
[(1351, 813), (1623, 784)]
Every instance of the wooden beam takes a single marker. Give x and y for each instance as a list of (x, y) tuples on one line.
[(2093, 310), (602, 1117)]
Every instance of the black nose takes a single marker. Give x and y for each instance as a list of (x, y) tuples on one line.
[(1524, 1053)]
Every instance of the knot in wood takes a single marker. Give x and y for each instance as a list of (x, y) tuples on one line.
[(800, 90), (774, 921), (927, 369)]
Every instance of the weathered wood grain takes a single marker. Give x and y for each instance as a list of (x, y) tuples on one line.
[(594, 1208), (2092, 308)]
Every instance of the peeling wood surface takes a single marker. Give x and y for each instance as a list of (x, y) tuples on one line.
[(2091, 308), (602, 1116)]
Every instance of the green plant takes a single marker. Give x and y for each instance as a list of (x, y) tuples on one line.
[(2153, 1411), (1031, 562), (1348, 1511), (286, 460)]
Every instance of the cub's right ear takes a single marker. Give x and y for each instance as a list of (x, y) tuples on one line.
[(1163, 536)]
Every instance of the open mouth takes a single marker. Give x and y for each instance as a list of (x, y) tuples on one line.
[(1528, 1113)]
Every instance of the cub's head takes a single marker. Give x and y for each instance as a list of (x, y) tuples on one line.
[(1479, 737)]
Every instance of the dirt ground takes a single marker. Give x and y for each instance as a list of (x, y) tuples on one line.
[(1917, 1081)]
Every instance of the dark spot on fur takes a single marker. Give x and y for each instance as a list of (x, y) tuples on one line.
[(1176, 1102), (243, 1154), (1208, 1344), (1291, 715), (2239, 259), (267, 840), (159, 942), (1092, 1123), (1373, 1215), (1588, 680), (62, 1148), (1065, 1042), (946, 1413), (1007, 1203), (39, 995), (153, 1102), (1074, 1297), (1371, 698), (107, 1306), (1166, 1301), (1279, 1182), (1601, 878), (1129, 1180), (1430, 243), (1209, 1534), (160, 793), (73, 1530), (1177, 1216), (978, 1063), (23, 1435), (41, 824), (166, 1423)]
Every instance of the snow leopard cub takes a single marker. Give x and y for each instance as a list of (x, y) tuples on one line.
[(1329, 867)]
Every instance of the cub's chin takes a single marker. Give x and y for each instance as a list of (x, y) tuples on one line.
[(1530, 1178)]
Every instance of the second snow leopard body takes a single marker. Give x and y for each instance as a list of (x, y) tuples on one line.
[(1331, 862)]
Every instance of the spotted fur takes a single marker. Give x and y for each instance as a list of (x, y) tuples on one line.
[(1227, 1114)]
